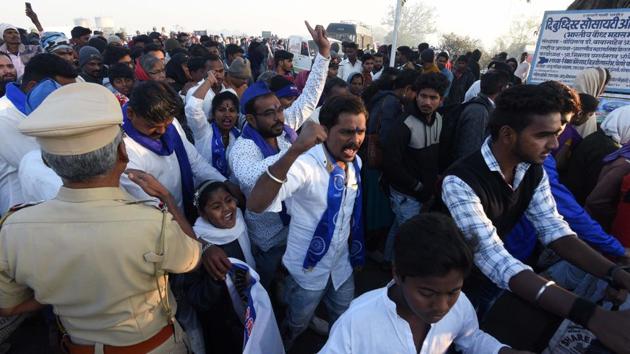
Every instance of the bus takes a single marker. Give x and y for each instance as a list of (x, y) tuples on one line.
[(351, 32)]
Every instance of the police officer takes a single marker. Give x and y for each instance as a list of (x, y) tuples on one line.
[(96, 255)]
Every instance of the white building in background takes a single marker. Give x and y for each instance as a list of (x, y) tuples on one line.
[(105, 24), (83, 22)]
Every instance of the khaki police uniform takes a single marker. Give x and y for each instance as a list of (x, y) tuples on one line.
[(93, 253)]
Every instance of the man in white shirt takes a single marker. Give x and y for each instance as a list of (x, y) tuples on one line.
[(377, 71), (156, 144), (422, 310), (14, 109), (351, 64), (321, 186), (269, 133), (216, 76)]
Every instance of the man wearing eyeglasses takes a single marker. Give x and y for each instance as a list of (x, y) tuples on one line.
[(268, 134)]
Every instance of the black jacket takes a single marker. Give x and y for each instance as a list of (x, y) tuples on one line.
[(410, 155), (459, 87)]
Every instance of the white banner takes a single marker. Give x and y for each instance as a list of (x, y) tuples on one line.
[(571, 41)]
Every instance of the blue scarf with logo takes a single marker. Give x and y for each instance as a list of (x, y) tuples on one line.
[(17, 97), (219, 161), (168, 143), (326, 226), (268, 150)]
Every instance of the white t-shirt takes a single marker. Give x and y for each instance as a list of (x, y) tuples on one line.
[(372, 325)]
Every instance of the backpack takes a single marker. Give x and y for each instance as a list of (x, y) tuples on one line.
[(621, 224), (450, 121)]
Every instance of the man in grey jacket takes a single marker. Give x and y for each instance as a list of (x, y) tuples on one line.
[(472, 124)]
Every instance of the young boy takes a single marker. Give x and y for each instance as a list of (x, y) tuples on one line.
[(122, 80), (422, 310)]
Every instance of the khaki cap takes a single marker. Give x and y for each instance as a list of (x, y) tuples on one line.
[(75, 119)]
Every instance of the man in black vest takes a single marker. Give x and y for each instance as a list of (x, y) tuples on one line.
[(488, 191)]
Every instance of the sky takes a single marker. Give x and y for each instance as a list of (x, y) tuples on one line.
[(482, 19)]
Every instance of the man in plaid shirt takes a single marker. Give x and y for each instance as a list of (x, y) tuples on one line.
[(488, 191)]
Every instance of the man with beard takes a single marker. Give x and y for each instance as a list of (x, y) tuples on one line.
[(269, 132), (7, 72), (216, 75), (319, 178), (19, 53), (410, 151), (490, 190), (57, 43), (91, 65), (377, 70), (283, 64)]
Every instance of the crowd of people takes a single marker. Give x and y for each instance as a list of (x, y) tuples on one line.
[(200, 195)]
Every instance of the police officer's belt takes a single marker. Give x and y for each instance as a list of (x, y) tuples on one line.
[(142, 347)]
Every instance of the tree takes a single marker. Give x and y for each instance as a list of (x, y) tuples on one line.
[(416, 21), (455, 44), (522, 33)]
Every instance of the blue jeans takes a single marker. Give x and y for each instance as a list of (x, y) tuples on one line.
[(302, 304), (267, 263), (481, 292), (566, 275), (404, 207)]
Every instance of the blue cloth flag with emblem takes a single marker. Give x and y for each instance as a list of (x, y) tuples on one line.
[(326, 227)]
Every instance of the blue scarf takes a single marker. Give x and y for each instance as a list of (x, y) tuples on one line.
[(39, 93), (17, 97), (268, 150), (169, 142), (624, 152), (219, 161), (326, 226)]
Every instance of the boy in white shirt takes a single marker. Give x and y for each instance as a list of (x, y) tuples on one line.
[(422, 310)]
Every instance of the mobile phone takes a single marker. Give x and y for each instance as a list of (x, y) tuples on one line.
[(28, 5)]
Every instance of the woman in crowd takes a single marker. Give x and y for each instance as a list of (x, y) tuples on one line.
[(587, 160), (355, 80), (177, 73), (603, 200), (592, 81)]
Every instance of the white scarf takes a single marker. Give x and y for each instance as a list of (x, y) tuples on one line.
[(617, 125), (208, 232)]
